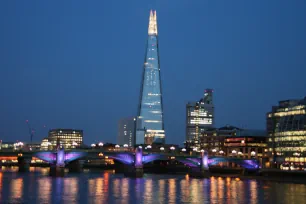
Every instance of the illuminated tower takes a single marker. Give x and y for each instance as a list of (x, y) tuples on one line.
[(150, 123)]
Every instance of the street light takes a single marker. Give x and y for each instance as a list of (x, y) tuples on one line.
[(202, 150), (162, 149), (172, 148), (239, 153), (221, 152), (195, 149), (214, 150), (149, 146), (100, 144), (253, 153), (125, 145), (117, 146), (140, 147), (234, 152), (183, 150), (93, 145)]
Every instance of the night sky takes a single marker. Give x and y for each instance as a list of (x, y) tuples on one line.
[(78, 64)]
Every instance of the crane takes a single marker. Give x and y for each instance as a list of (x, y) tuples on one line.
[(31, 130)]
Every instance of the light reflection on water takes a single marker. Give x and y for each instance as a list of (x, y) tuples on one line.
[(106, 187)]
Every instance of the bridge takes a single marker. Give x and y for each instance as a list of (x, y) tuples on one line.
[(133, 160)]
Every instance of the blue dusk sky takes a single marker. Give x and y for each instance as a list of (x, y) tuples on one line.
[(78, 64)]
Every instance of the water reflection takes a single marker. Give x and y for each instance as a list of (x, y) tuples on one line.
[(16, 190), (44, 190), (34, 187)]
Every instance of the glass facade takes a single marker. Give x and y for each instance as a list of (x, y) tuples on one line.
[(199, 116), (286, 125), (150, 110)]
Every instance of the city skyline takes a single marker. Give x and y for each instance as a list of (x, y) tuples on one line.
[(62, 70)]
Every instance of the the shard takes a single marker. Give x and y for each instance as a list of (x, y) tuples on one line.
[(150, 122)]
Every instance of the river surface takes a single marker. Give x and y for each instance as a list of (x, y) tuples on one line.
[(107, 187)]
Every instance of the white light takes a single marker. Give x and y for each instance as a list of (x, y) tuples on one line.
[(202, 150), (149, 146), (140, 147), (195, 149), (172, 148), (125, 145), (162, 149), (74, 143), (93, 145), (240, 153), (214, 150), (234, 151), (117, 146), (221, 152), (100, 144), (253, 153), (183, 150), (242, 141)]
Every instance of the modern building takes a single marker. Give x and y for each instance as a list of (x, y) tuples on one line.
[(68, 138), (286, 127), (150, 121), (126, 131), (199, 116)]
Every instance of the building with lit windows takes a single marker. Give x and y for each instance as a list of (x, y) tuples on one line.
[(286, 126), (68, 138), (235, 142), (199, 116), (126, 131), (150, 122)]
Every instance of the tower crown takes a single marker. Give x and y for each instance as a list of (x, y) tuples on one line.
[(152, 30)]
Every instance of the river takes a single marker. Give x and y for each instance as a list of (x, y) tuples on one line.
[(107, 187)]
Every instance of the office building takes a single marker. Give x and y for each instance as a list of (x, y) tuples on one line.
[(150, 122), (126, 131), (286, 126), (199, 116), (68, 138)]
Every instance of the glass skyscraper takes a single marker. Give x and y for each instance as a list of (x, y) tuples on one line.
[(150, 123)]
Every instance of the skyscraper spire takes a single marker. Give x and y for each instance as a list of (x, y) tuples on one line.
[(150, 121), (152, 23)]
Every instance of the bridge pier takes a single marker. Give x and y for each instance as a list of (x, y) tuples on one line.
[(24, 163), (57, 171), (135, 170), (203, 170), (76, 166)]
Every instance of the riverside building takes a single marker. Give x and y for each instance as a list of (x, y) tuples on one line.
[(286, 126)]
